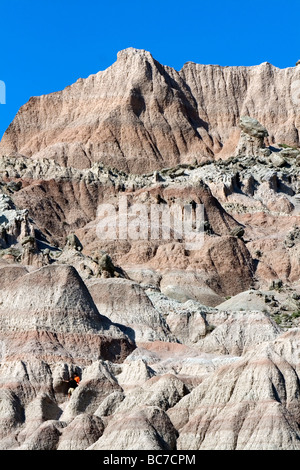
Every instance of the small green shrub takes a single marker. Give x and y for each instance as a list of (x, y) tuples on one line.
[(210, 328), (296, 314), (285, 146)]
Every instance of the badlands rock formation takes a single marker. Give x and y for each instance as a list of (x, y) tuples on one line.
[(250, 404), (140, 114), (177, 348)]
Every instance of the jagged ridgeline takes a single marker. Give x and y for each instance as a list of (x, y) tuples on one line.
[(176, 347)]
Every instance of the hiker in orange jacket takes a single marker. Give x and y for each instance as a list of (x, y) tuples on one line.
[(73, 383)]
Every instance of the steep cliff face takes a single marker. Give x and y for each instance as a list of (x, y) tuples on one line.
[(139, 115), (224, 94)]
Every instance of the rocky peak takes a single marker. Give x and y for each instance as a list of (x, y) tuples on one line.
[(132, 52)]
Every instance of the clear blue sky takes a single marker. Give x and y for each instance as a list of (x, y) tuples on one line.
[(48, 44)]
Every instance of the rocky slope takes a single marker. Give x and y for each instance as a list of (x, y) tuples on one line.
[(251, 404), (176, 348)]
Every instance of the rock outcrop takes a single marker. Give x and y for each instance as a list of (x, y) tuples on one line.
[(124, 302), (252, 138), (57, 323), (147, 427)]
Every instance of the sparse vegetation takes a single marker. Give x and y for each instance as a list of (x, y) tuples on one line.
[(277, 285), (210, 328), (285, 146), (11, 251), (296, 314)]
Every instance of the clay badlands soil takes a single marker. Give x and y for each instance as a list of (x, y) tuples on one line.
[(176, 348)]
